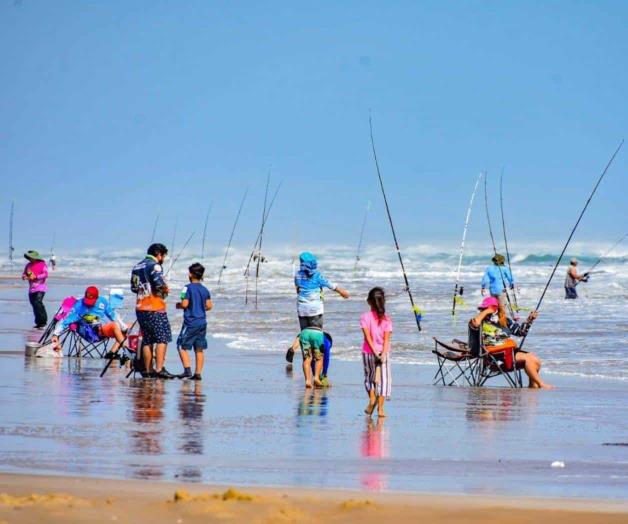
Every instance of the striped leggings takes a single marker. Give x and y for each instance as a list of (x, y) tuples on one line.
[(377, 375)]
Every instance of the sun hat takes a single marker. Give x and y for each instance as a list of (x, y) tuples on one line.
[(574, 261), (32, 255), (489, 302), (498, 259), (91, 296)]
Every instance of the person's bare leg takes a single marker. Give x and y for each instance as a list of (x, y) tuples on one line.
[(371, 405), (160, 356), (380, 406), (185, 358), (307, 371), (118, 335), (296, 344), (200, 360), (147, 353), (318, 369), (532, 366)]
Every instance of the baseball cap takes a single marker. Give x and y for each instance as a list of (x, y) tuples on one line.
[(91, 296), (489, 302)]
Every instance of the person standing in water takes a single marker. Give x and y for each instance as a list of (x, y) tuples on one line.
[(309, 283), (36, 273), (572, 278), (495, 277), (148, 283), (377, 330)]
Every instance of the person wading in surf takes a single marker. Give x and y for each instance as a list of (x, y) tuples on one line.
[(495, 277), (572, 278)]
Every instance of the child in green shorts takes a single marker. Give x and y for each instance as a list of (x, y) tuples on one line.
[(311, 340)]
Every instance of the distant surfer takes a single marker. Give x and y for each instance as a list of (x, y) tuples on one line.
[(572, 278), (36, 273), (309, 283), (495, 277), (53, 262)]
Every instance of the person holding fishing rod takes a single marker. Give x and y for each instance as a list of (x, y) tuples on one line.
[(496, 277), (572, 279), (148, 283)]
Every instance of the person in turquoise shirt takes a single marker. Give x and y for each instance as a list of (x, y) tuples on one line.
[(495, 277)]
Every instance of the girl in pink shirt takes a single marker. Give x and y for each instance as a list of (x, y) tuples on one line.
[(377, 329)]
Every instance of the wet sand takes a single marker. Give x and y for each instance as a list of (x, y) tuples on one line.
[(29, 499), (250, 424)]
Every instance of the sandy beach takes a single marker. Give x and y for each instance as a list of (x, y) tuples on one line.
[(484, 454), (32, 499)]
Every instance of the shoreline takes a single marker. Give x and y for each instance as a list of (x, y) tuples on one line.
[(30, 498)]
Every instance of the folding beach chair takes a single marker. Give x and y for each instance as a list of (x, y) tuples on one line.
[(496, 361), (63, 311), (456, 364)]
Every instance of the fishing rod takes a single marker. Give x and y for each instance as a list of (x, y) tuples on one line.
[(174, 260), (11, 248), (590, 271), (174, 234), (459, 291), (235, 224), (152, 238), (261, 239), (573, 230), (209, 210), (490, 230), (501, 204), (415, 309), (357, 253), (257, 242)]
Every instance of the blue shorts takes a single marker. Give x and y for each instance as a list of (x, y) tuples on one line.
[(154, 326), (192, 338)]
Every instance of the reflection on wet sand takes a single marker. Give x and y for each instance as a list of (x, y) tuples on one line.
[(147, 397), (190, 405), (374, 445), (498, 404), (314, 403)]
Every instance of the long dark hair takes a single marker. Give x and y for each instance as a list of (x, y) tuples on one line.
[(377, 301)]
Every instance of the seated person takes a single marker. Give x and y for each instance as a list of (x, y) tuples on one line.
[(496, 329), (95, 320)]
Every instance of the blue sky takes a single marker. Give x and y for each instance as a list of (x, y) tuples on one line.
[(115, 111)]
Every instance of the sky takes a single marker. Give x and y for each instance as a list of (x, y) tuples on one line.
[(116, 112)]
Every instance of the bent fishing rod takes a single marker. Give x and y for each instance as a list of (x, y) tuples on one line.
[(257, 247), (357, 253), (235, 224), (459, 291), (501, 204), (597, 262), (573, 230), (490, 231), (415, 309)]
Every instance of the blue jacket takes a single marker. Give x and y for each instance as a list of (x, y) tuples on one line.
[(98, 314), (493, 279)]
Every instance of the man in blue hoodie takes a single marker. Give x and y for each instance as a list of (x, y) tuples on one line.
[(496, 277), (310, 283)]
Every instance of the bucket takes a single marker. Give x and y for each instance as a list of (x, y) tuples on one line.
[(30, 348)]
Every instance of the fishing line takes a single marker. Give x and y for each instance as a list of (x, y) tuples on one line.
[(235, 224)]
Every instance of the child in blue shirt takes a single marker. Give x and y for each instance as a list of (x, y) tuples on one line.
[(195, 302)]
